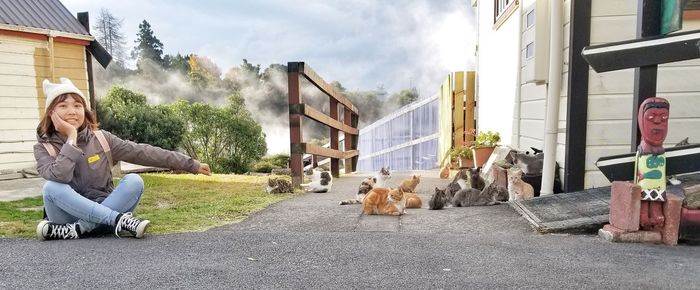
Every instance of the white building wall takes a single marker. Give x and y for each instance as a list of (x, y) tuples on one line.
[(497, 72)]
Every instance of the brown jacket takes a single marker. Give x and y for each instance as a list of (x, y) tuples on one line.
[(84, 166)]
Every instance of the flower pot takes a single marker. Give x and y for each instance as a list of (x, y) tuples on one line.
[(482, 154), (464, 163)]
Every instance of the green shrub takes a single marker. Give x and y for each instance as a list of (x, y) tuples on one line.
[(263, 167), (127, 115)]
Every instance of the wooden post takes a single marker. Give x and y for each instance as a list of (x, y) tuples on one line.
[(296, 162), (335, 169), (354, 122), (347, 144), (648, 24)]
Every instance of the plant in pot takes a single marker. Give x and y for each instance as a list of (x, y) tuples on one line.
[(483, 146), (464, 155)]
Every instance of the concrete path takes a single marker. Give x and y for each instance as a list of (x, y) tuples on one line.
[(15, 189), (310, 242)]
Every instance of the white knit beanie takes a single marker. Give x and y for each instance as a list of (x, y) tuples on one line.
[(53, 90)]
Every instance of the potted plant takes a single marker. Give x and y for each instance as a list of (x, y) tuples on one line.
[(483, 146), (463, 155)]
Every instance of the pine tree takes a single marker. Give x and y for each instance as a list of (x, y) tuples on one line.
[(148, 47), (108, 32)]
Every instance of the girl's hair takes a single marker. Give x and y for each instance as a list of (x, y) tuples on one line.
[(46, 126)]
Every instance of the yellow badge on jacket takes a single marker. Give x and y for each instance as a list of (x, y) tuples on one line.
[(92, 159)]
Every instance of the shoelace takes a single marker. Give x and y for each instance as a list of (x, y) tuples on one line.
[(66, 231), (126, 222)]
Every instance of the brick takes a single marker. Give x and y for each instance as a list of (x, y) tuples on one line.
[(672, 219), (614, 234), (690, 224), (625, 200)]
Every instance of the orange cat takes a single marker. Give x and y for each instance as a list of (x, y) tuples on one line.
[(384, 201), (408, 186), (413, 200), (445, 172)]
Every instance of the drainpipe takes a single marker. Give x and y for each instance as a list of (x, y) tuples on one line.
[(556, 33), (515, 137)]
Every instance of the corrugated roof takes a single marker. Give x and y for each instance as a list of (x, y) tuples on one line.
[(45, 14)]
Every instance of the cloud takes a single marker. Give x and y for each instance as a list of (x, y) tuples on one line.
[(362, 44)]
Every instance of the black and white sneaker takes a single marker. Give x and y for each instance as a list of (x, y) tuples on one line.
[(129, 223), (47, 230)]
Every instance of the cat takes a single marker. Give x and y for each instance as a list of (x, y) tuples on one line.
[(279, 185), (458, 182), (499, 192), (410, 184), (475, 179), (473, 197), (366, 185), (530, 165), (445, 172), (382, 177), (384, 201), (321, 181), (438, 200), (377, 181), (517, 188)]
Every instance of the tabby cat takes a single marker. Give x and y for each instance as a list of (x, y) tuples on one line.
[(279, 185), (321, 181), (438, 200), (384, 201), (367, 184), (517, 188), (475, 179), (458, 182), (499, 192)]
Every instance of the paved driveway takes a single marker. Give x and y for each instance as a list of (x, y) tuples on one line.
[(312, 242)]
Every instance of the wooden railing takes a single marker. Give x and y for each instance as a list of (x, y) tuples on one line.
[(297, 109)]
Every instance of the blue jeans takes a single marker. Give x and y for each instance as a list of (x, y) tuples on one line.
[(64, 205)]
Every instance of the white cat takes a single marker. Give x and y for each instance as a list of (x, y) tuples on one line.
[(321, 181)]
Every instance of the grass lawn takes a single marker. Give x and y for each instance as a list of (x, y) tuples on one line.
[(172, 202)]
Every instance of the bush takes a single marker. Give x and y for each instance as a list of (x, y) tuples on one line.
[(126, 114), (263, 167)]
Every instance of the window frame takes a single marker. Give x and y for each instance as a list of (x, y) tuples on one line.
[(509, 9)]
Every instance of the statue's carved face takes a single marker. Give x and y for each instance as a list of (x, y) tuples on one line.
[(654, 121)]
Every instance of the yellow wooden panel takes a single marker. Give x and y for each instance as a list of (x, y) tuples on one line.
[(469, 118), (75, 52), (458, 109), (445, 108)]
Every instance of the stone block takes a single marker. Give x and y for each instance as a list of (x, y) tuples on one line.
[(672, 219), (625, 200), (614, 234)]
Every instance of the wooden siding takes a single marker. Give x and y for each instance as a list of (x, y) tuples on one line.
[(610, 93), (24, 64)]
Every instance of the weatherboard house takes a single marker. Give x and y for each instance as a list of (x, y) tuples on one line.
[(38, 40), (535, 87)]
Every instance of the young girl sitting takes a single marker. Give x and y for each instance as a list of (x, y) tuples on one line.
[(76, 158)]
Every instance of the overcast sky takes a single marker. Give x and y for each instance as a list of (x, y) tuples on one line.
[(360, 43)]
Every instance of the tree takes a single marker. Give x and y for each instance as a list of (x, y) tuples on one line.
[(147, 45), (404, 97), (126, 114), (177, 63), (108, 33)]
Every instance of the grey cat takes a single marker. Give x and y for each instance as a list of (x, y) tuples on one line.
[(473, 197), (438, 200), (475, 179)]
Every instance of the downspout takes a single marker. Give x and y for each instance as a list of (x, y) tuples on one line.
[(556, 33), (515, 137)]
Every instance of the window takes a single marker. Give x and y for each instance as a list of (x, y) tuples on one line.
[(530, 19), (501, 10), (530, 50)]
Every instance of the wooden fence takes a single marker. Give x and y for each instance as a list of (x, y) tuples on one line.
[(297, 110)]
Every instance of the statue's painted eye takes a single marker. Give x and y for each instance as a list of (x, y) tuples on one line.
[(664, 117)]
